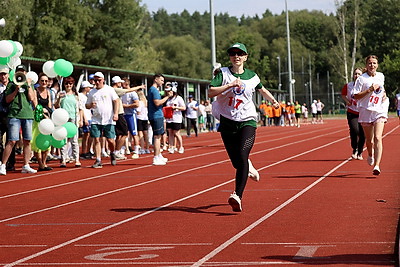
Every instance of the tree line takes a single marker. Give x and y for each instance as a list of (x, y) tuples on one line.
[(124, 34)]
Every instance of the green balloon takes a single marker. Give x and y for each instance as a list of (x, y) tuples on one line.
[(58, 143), (4, 60), (43, 142), (71, 129), (63, 67), (12, 73)]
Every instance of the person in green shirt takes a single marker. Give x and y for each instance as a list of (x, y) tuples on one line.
[(20, 116)]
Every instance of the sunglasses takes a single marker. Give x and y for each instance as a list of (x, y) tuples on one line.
[(44, 81), (236, 53), (97, 80), (68, 83)]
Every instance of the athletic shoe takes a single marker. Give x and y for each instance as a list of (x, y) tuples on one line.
[(97, 165), (181, 150), (113, 159), (104, 154), (354, 155), (235, 202), (360, 157), (376, 170), (3, 170), (162, 158), (135, 156), (147, 151), (158, 161), (119, 156), (253, 173), (370, 160), (28, 169), (171, 150)]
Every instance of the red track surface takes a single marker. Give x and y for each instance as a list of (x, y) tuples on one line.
[(313, 206)]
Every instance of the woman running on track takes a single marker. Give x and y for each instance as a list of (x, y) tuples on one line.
[(357, 137), (234, 87), (373, 109)]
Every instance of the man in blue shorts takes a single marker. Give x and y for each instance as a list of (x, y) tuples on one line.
[(156, 117)]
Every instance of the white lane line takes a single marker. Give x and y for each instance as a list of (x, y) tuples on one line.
[(111, 226), (269, 140), (134, 217), (168, 176), (268, 215)]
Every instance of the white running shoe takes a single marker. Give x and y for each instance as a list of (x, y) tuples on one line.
[(370, 160), (235, 202), (171, 150), (253, 173), (28, 169), (354, 155), (376, 170), (3, 170), (135, 156), (360, 157), (158, 161), (181, 150), (162, 158)]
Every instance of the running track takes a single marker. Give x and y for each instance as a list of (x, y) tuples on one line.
[(313, 206)]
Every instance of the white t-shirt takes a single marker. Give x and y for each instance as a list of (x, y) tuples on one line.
[(104, 112), (374, 101), (142, 111), (236, 103), (129, 98), (191, 113), (176, 101)]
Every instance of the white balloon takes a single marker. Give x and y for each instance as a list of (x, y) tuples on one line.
[(14, 62), (6, 48), (33, 76), (46, 126), (59, 117), (59, 133), (48, 69), (20, 49)]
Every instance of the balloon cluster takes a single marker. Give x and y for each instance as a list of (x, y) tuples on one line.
[(54, 131), (60, 67), (10, 52)]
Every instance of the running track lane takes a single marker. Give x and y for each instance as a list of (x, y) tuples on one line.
[(188, 226)]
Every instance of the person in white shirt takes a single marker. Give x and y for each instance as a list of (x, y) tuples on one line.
[(87, 119), (320, 107), (191, 116), (373, 105), (174, 123), (104, 103), (314, 111), (234, 87), (357, 137)]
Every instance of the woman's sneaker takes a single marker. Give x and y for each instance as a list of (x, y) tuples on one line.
[(235, 202), (370, 161), (158, 161), (97, 165), (27, 169), (253, 173), (376, 170)]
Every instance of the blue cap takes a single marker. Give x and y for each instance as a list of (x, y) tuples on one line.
[(91, 76)]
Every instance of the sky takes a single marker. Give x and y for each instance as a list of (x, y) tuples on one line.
[(239, 7)]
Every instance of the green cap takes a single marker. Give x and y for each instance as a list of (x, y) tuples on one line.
[(239, 46)]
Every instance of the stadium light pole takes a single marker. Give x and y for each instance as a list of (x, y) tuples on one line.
[(279, 73), (213, 53), (291, 82)]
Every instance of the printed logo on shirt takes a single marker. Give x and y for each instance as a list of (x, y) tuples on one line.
[(239, 90)]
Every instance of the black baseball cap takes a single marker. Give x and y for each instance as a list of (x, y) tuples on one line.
[(21, 67)]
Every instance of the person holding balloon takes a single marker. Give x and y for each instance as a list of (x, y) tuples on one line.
[(20, 116), (42, 110), (67, 99)]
